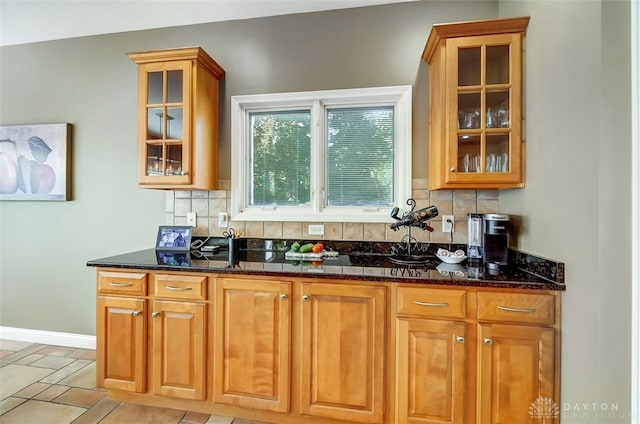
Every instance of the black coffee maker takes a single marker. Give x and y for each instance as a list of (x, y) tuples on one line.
[(495, 240)]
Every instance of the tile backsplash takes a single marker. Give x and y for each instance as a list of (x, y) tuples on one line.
[(207, 204)]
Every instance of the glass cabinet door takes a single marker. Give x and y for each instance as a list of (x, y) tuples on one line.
[(482, 141), (165, 100)]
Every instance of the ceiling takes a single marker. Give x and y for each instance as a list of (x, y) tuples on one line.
[(28, 21)]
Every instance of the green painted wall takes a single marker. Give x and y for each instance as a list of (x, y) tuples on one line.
[(576, 206)]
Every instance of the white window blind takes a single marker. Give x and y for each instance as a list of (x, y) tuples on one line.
[(360, 156)]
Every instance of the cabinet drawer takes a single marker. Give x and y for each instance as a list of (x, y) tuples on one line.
[(124, 283), (519, 307), (180, 286), (432, 302)]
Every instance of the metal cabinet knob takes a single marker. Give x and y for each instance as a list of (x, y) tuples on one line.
[(283, 296), (487, 341), (305, 297), (155, 314), (460, 339), (452, 169), (136, 313)]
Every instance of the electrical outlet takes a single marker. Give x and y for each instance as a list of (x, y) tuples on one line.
[(191, 219), (223, 220), (316, 229), (447, 227)]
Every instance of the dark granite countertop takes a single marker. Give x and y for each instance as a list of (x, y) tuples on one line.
[(356, 261)]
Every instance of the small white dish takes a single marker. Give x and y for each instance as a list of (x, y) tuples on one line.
[(453, 259), (451, 269)]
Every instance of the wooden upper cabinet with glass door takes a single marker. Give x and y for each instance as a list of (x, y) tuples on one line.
[(476, 134), (178, 98)]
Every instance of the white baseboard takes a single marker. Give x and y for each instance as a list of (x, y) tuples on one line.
[(81, 341)]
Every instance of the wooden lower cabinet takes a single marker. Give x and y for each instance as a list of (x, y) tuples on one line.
[(328, 351), (465, 356), (121, 343), (252, 343), (516, 374), (431, 380), (343, 352), (178, 354)]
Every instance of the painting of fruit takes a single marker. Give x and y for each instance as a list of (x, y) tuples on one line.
[(34, 162)]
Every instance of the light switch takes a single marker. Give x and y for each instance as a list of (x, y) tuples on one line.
[(223, 220)]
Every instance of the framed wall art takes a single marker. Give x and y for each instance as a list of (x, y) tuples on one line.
[(35, 162)]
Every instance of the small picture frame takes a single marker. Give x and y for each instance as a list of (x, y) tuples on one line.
[(174, 238)]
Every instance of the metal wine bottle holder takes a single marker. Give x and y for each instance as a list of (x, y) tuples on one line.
[(409, 250)]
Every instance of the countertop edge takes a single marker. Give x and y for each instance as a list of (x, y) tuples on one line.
[(541, 284)]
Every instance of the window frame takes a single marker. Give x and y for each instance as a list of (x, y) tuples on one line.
[(318, 102)]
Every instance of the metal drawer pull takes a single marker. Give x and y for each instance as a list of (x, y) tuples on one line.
[(136, 313), (487, 341), (112, 284), (283, 296), (438, 305), (521, 310), (155, 314), (178, 288), (460, 339), (305, 297)]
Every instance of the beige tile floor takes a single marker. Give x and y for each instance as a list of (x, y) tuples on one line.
[(56, 385)]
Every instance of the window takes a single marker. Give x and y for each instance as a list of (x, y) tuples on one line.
[(327, 156)]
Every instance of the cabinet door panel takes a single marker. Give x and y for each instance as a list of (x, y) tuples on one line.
[(343, 352), (252, 343), (516, 373), (179, 331), (121, 344), (431, 367), (164, 122), (476, 120)]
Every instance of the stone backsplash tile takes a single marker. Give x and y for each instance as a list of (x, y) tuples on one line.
[(352, 231), (200, 206), (420, 184), (273, 229), (488, 194), (463, 206), (252, 229), (459, 203), (488, 206), (182, 206), (332, 231), (374, 232), (420, 194), (217, 204), (292, 230), (441, 195)]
